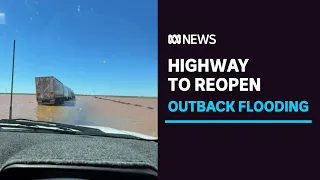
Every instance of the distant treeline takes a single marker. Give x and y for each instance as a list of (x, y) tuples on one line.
[(20, 93), (151, 97)]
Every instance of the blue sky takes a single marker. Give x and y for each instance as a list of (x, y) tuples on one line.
[(93, 46)]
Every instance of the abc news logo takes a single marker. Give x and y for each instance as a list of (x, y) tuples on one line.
[(191, 39)]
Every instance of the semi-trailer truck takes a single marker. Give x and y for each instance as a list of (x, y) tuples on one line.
[(73, 96), (68, 94), (49, 90)]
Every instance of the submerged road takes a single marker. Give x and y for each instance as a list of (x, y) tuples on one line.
[(131, 114)]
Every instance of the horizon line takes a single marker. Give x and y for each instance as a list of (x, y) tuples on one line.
[(92, 95)]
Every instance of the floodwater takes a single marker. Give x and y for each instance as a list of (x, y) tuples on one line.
[(124, 113)]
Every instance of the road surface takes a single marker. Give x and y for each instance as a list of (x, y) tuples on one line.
[(132, 114)]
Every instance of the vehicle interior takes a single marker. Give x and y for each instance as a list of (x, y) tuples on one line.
[(65, 156), (78, 89)]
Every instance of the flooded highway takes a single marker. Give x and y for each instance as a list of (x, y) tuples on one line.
[(124, 113)]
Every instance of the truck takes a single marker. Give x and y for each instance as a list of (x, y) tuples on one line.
[(73, 96), (51, 91), (68, 94)]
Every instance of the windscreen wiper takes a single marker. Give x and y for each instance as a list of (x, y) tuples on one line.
[(59, 127), (36, 125)]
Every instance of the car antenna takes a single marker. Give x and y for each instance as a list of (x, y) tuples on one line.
[(14, 50)]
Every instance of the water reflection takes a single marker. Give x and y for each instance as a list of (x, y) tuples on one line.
[(87, 111), (55, 113), (69, 103), (48, 113)]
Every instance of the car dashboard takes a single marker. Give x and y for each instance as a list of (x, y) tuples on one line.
[(61, 156)]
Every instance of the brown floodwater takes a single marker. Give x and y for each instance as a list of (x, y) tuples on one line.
[(125, 113)]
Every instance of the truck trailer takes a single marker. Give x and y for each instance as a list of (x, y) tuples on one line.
[(49, 90), (72, 95), (68, 94)]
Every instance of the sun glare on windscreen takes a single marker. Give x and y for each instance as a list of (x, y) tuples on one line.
[(2, 18)]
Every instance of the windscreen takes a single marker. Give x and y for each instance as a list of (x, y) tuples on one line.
[(103, 50)]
